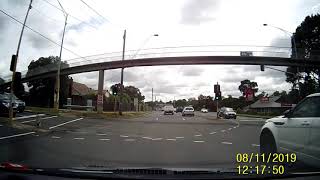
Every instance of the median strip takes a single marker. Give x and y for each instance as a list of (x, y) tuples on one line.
[(65, 123)]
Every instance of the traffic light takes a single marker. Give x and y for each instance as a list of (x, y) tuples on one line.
[(216, 88), (114, 90), (218, 96)]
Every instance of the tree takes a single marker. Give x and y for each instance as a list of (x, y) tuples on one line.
[(307, 42), (134, 92), (248, 84), (276, 93), (41, 90), (2, 81)]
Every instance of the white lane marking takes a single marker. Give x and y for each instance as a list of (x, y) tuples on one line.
[(129, 140), (30, 116), (104, 139), (226, 142), (223, 130), (157, 139), (230, 129), (183, 119), (1, 125), (198, 141), (197, 135), (55, 137), (65, 123), (255, 145), (157, 119), (102, 134), (16, 135), (50, 117), (303, 173), (144, 137), (78, 138), (212, 132), (124, 136), (171, 139), (234, 127), (179, 137)]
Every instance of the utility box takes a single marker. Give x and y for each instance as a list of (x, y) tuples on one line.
[(69, 102), (89, 105)]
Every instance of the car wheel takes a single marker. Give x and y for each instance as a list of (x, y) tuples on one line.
[(267, 143)]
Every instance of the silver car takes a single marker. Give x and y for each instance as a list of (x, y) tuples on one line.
[(188, 111)]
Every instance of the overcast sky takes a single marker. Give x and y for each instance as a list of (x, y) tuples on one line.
[(178, 23)]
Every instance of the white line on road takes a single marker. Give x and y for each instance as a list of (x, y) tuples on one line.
[(55, 137), (157, 119), (102, 134), (65, 123), (199, 141), (256, 145), (234, 127), (124, 136), (230, 129), (17, 135), (171, 139), (212, 132), (104, 139), (30, 116), (226, 142), (129, 140), (36, 119), (223, 130), (78, 138), (183, 119), (50, 117), (179, 137), (144, 137), (197, 135), (1, 125), (157, 139)]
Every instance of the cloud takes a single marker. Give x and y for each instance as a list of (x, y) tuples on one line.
[(191, 71), (37, 41), (195, 12)]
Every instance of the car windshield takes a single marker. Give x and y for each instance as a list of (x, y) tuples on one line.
[(186, 84)]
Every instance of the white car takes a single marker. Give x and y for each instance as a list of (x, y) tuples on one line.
[(297, 131), (204, 110), (168, 109), (188, 111)]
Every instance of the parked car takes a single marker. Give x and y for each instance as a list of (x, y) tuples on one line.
[(21, 105), (204, 110), (227, 113), (188, 111), (179, 109), (168, 109), (297, 131), (5, 105)]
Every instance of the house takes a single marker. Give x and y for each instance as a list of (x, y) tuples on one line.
[(273, 104), (79, 90)]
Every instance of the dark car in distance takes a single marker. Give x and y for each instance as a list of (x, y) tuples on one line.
[(179, 109), (5, 105)]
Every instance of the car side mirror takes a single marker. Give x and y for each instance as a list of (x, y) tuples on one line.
[(287, 113)]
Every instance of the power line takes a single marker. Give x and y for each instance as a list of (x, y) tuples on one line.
[(41, 35), (56, 7), (95, 11)]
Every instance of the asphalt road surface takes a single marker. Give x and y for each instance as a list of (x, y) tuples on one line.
[(155, 140)]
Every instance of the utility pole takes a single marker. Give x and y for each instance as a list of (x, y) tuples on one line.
[(15, 64), (57, 85), (121, 82), (152, 98)]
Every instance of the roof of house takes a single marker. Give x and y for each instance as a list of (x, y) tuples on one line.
[(271, 103), (80, 89)]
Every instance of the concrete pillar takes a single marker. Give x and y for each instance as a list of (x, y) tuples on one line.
[(100, 95)]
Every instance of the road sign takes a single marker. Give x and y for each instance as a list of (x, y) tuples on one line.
[(100, 99), (216, 88), (246, 53)]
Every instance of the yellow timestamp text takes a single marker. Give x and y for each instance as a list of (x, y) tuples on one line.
[(266, 157), (261, 169)]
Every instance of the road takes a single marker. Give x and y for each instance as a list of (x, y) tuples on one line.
[(155, 140)]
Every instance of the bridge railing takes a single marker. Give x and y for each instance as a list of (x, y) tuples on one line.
[(208, 50)]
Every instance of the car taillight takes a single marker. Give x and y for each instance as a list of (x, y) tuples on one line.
[(12, 166)]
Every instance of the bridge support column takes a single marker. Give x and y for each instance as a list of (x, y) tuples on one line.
[(100, 92)]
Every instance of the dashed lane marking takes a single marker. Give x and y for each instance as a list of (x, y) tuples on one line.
[(50, 117), (144, 137), (226, 142), (183, 119), (157, 139), (36, 119), (255, 145), (230, 129), (124, 136), (102, 134), (16, 135), (129, 140), (198, 141), (78, 138), (198, 135), (212, 132), (104, 139), (179, 137), (30, 116), (1, 125), (171, 139), (55, 137), (65, 123), (223, 130)]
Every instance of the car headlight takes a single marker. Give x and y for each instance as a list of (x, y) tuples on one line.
[(6, 104)]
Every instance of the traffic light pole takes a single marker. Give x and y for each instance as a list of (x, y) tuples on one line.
[(15, 65)]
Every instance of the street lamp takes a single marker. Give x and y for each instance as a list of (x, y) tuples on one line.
[(57, 85), (291, 36), (123, 54)]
